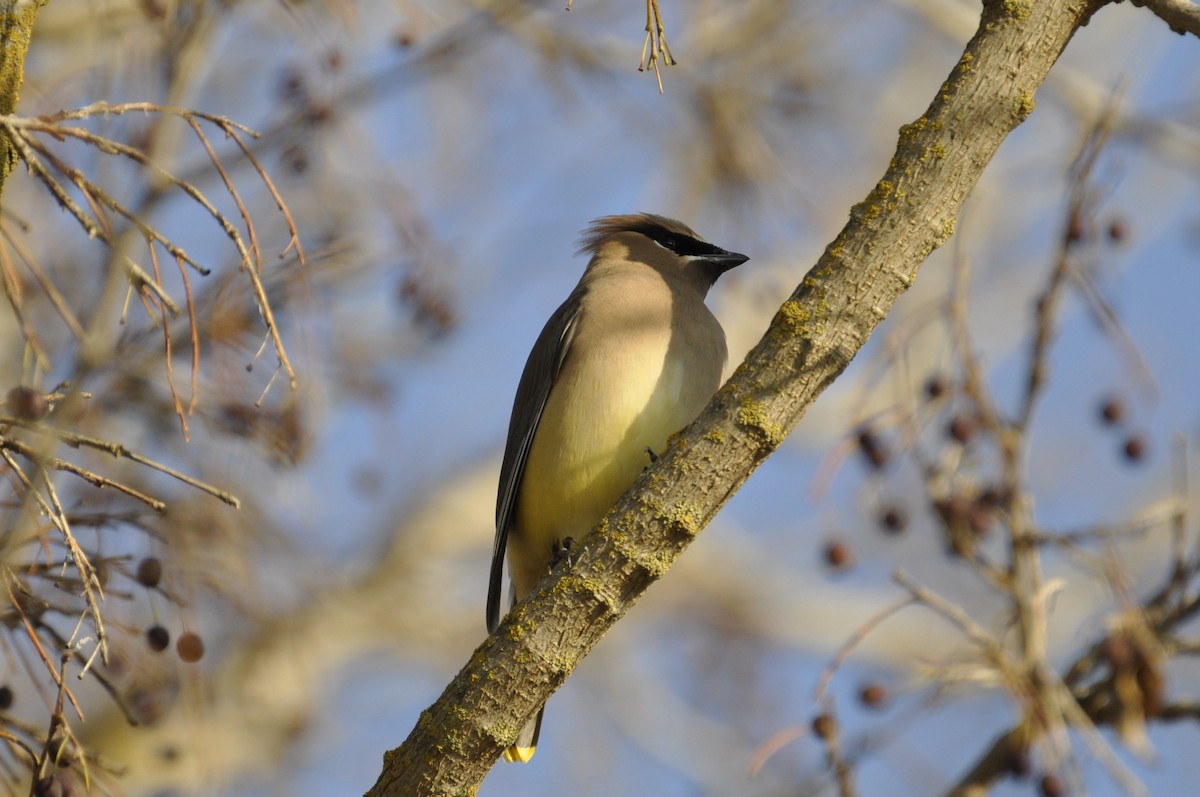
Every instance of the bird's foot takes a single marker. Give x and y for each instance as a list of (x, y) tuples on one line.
[(563, 552)]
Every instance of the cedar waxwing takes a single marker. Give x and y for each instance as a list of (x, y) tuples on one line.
[(629, 359)]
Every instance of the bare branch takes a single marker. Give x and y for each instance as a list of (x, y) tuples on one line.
[(1182, 15), (655, 44), (119, 451), (87, 475), (36, 154)]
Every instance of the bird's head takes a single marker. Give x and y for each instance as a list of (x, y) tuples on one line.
[(666, 245)]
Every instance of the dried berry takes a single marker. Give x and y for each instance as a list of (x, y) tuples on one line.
[(823, 726), (190, 647), (961, 428), (838, 555), (149, 572), (1112, 411), (954, 510), (893, 519), (158, 638), (1051, 786), (873, 450), (26, 403), (873, 694), (1135, 448), (995, 496)]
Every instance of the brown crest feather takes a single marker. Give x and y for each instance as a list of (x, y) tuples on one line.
[(645, 223)]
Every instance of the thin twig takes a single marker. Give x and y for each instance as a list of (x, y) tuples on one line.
[(113, 691), (195, 333), (855, 639), (37, 643), (99, 195), (168, 356), (139, 279), (655, 43), (34, 152), (12, 292), (119, 451), (256, 256), (13, 740), (57, 301), (279, 203), (35, 165), (93, 592), (1078, 719), (987, 643), (89, 476)]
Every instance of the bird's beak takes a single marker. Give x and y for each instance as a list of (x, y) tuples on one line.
[(723, 261)]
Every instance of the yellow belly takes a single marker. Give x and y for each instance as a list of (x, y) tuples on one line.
[(590, 446)]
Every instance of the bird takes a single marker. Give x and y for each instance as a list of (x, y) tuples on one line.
[(629, 359)]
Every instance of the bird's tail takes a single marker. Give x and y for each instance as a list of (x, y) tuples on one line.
[(526, 742)]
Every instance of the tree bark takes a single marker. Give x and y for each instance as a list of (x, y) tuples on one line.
[(818, 330), (16, 29)]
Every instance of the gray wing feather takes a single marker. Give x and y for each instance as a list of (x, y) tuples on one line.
[(541, 370)]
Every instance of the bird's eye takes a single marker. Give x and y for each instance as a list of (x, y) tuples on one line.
[(670, 242)]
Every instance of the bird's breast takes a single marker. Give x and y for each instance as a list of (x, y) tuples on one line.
[(633, 377)]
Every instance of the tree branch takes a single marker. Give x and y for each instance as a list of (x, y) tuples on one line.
[(1182, 15), (16, 29), (811, 340)]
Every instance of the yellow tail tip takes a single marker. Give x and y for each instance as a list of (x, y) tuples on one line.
[(522, 754)]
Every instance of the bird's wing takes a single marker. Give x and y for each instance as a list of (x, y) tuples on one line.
[(541, 370)]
